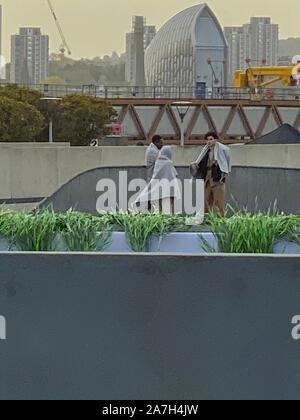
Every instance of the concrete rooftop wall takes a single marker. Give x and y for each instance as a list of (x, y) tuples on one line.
[(149, 327), (252, 188), (36, 172)]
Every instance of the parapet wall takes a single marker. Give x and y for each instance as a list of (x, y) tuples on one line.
[(149, 327), (252, 188), (31, 173)]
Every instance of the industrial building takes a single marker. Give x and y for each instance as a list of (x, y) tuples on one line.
[(190, 51), (136, 43)]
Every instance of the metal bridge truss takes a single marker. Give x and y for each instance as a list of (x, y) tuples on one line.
[(234, 121)]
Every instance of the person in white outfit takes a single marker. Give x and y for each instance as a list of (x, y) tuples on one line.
[(164, 187)]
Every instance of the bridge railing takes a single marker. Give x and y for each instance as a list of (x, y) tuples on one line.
[(166, 92)]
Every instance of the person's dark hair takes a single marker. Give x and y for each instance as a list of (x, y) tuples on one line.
[(211, 134), (156, 139), (140, 143)]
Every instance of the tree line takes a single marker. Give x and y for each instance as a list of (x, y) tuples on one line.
[(78, 119), (63, 70)]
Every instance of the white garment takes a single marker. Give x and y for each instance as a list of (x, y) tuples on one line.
[(166, 206), (164, 182), (222, 156)]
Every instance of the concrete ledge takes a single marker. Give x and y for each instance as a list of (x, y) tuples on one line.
[(149, 326), (38, 171), (251, 188), (36, 145)]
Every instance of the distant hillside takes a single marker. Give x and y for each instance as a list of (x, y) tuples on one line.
[(289, 47)]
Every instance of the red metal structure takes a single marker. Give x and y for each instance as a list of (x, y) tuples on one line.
[(235, 121)]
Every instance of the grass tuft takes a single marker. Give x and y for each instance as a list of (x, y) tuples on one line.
[(252, 233)]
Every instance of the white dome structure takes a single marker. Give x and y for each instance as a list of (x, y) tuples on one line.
[(179, 53)]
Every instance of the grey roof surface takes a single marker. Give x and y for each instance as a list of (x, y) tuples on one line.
[(286, 134), (178, 27)]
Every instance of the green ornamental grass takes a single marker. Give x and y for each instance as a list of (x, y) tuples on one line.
[(252, 233), (83, 232), (140, 227), (29, 232), (45, 230)]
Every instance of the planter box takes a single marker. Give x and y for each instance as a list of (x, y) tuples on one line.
[(119, 243), (176, 242), (188, 243), (59, 245), (6, 246), (287, 248)]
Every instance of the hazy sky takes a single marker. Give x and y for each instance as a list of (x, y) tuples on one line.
[(97, 27)]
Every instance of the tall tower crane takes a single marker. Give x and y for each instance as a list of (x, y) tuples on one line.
[(64, 46)]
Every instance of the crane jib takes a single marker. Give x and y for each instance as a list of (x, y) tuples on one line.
[(64, 45)]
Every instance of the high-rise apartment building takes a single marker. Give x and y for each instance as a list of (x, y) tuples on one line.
[(0, 30), (29, 56), (130, 57), (256, 41), (149, 34), (235, 39), (136, 43), (2, 61)]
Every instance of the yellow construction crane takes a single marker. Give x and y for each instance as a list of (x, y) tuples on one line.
[(261, 77), (64, 46)]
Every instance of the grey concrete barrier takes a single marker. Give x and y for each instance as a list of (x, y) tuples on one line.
[(39, 171), (34, 145), (149, 327), (251, 188)]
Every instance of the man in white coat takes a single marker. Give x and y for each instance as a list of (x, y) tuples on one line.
[(213, 166)]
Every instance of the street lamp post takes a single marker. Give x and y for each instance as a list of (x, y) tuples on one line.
[(50, 129), (50, 107), (215, 79), (182, 109)]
